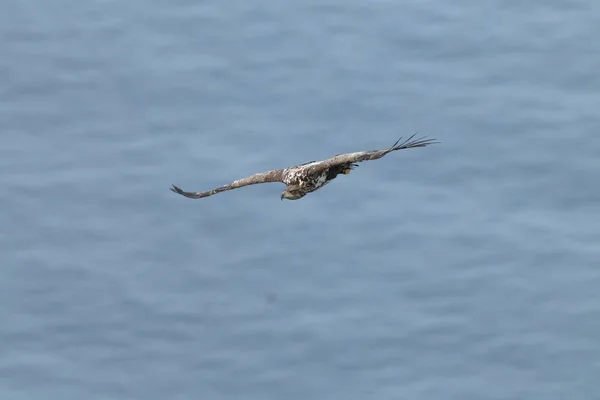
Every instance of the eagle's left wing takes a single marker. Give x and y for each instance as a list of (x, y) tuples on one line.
[(349, 158)]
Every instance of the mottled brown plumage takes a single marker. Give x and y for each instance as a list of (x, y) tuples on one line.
[(308, 177)]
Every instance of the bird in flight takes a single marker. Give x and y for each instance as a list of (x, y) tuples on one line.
[(308, 177)]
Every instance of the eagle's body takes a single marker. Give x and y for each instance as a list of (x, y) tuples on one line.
[(306, 178), (301, 176)]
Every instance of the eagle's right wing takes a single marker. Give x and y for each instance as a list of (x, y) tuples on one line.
[(263, 177)]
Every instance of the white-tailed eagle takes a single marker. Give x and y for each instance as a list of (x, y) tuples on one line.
[(308, 177)]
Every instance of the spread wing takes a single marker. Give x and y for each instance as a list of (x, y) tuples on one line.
[(263, 177), (349, 158)]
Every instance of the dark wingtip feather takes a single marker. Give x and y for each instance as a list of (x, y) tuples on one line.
[(419, 142), (396, 144), (191, 195), (175, 189)]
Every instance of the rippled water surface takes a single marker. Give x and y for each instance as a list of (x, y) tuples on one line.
[(465, 270)]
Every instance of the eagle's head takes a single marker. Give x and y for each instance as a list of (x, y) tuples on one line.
[(291, 193)]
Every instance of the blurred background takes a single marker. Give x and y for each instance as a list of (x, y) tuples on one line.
[(464, 270)]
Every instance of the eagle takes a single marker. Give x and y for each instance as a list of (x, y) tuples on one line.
[(306, 178)]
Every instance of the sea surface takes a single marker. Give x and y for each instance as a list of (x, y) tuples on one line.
[(469, 269)]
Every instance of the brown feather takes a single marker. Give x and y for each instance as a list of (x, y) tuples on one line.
[(262, 177), (348, 158)]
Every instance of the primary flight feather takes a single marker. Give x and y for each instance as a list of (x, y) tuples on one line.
[(308, 177)]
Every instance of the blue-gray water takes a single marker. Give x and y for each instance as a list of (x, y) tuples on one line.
[(465, 270)]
